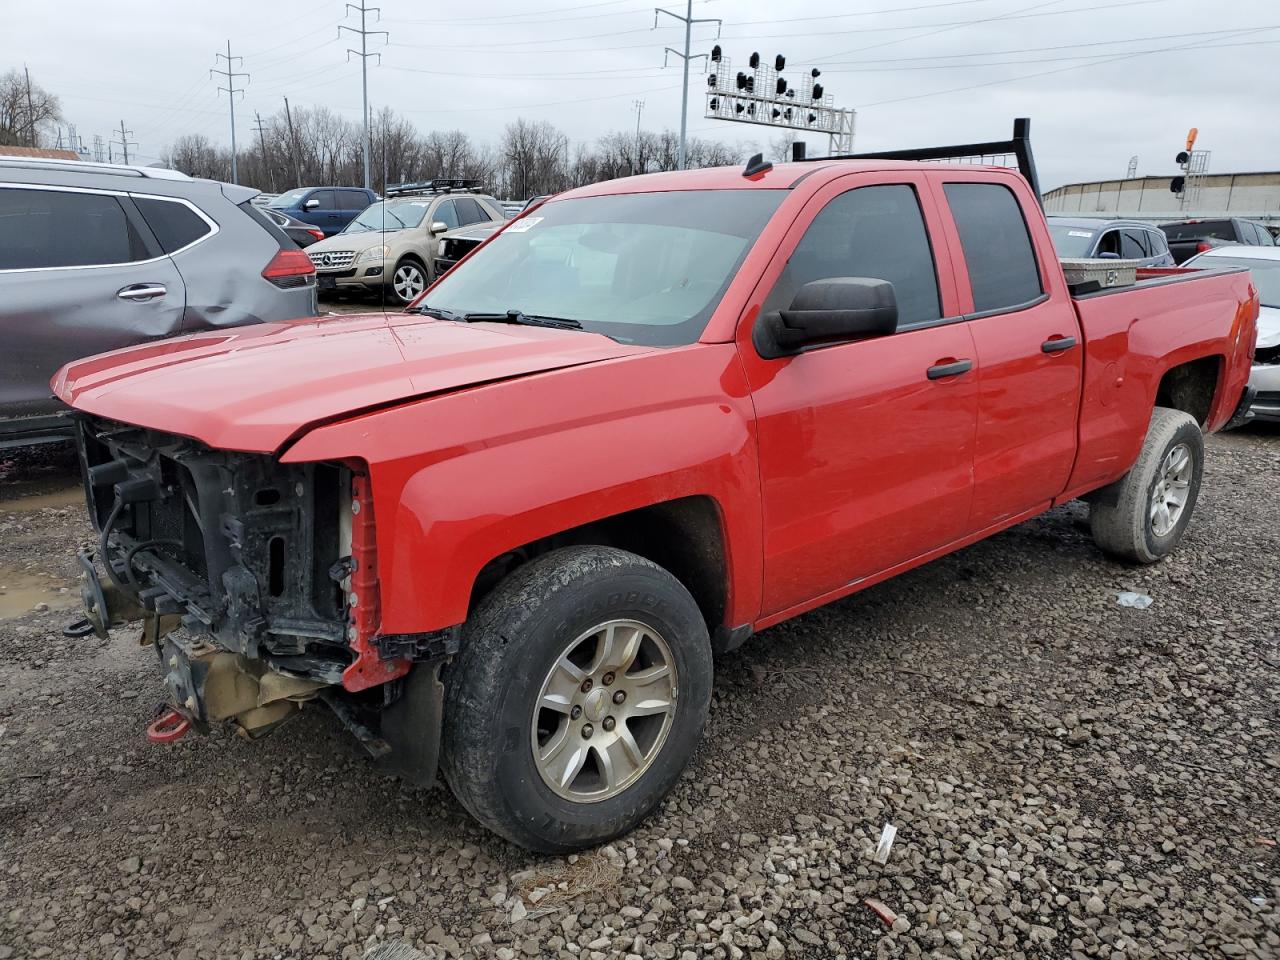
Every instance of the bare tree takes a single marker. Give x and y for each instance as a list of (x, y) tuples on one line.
[(26, 110)]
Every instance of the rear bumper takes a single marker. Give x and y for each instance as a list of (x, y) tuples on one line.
[(1264, 380)]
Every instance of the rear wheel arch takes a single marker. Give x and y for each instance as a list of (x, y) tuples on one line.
[(1191, 387)]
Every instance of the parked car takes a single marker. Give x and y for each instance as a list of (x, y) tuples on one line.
[(1077, 238), (1264, 264), (303, 234), (99, 256), (329, 208), (1189, 237), (392, 245), (456, 244), (655, 416)]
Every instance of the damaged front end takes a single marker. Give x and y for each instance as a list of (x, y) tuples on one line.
[(270, 571)]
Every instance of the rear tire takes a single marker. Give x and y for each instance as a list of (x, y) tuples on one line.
[(561, 620), (1142, 517)]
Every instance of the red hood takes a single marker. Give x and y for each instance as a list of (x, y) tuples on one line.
[(252, 388)]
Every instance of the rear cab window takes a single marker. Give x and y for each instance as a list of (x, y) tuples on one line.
[(63, 228), (1003, 272), (1201, 230)]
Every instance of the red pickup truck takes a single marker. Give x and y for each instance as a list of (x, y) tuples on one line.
[(503, 533)]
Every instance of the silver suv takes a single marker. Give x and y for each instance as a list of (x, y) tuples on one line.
[(94, 257), (392, 245)]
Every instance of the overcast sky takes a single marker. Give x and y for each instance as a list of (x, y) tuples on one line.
[(917, 71)]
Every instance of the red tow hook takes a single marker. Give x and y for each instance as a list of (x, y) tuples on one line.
[(168, 727)]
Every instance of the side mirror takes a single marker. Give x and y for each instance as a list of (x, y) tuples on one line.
[(828, 311), (1109, 256), (439, 226), (311, 204)]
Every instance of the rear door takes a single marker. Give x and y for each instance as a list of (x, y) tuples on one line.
[(866, 448), (1029, 351), (80, 273)]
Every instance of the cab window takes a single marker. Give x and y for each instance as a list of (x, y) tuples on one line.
[(876, 232)]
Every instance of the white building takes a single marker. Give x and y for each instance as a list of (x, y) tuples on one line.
[(1255, 196)]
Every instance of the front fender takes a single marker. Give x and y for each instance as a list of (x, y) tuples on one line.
[(461, 479)]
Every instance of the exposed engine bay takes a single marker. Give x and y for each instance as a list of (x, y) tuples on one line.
[(255, 582)]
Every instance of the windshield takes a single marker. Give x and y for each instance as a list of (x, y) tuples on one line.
[(1200, 230), (1071, 242), (290, 199), (644, 268), (1266, 274), (393, 215)]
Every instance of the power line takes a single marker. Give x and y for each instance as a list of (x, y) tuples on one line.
[(124, 141), (1046, 73), (231, 91), (364, 56), (688, 21)]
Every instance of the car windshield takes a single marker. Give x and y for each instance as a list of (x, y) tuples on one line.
[(389, 215), (290, 199), (1071, 242), (644, 268), (1266, 274)]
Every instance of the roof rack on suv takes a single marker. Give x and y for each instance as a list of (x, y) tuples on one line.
[(84, 166), (438, 185)]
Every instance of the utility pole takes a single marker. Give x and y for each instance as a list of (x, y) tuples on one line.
[(262, 142), (31, 113), (364, 55), (293, 145), (639, 105), (231, 91), (688, 21), (124, 141)]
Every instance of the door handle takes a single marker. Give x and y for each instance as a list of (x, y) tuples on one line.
[(142, 291), (1057, 344), (952, 368)]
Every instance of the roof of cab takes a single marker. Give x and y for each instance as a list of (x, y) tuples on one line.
[(781, 176)]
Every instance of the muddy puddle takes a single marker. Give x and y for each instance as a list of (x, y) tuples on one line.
[(13, 499), (22, 591)]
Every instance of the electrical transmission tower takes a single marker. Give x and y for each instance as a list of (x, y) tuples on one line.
[(639, 105), (97, 148), (1133, 168), (124, 141), (231, 90), (364, 55), (688, 21), (262, 142)]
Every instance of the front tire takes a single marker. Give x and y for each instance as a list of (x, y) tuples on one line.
[(408, 280), (1142, 517), (577, 699)]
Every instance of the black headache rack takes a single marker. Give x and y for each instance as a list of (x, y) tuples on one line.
[(233, 545), (988, 154), (432, 187)]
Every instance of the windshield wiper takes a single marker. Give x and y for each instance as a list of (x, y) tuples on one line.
[(528, 319), (437, 312)]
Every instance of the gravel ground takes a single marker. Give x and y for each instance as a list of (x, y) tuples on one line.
[(1068, 778)]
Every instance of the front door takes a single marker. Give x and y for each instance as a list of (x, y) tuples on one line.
[(866, 448), (78, 275)]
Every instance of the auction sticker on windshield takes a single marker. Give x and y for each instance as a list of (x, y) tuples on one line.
[(520, 226), (1080, 233)]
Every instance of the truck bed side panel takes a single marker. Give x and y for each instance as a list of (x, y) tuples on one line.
[(1132, 337)]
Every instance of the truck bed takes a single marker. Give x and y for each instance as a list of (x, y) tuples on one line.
[(1133, 334)]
